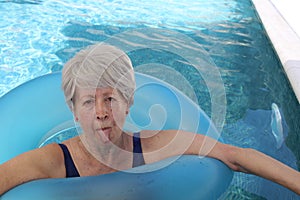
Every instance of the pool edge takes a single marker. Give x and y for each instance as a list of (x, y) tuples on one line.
[(286, 43)]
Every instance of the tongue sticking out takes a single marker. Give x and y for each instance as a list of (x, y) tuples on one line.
[(105, 134)]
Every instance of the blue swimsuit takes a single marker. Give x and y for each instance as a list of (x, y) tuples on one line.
[(138, 158), (71, 170)]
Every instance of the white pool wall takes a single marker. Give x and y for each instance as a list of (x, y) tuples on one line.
[(281, 19)]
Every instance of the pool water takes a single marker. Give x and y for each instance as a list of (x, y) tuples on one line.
[(38, 37)]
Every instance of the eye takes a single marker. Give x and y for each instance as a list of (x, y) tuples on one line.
[(109, 99), (88, 102)]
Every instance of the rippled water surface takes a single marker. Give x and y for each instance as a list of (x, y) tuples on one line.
[(38, 37)]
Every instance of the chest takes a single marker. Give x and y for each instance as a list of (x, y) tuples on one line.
[(91, 166)]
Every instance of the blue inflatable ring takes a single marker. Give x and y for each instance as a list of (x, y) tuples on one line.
[(29, 111)]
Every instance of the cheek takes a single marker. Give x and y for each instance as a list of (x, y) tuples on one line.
[(119, 114), (84, 117)]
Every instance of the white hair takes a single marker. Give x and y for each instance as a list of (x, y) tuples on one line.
[(99, 65)]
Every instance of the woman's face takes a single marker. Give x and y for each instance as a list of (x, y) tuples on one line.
[(101, 113)]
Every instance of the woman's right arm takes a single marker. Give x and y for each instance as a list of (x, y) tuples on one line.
[(45, 162)]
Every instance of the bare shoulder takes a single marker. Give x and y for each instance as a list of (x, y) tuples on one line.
[(158, 145), (44, 162), (156, 139), (48, 160), (164, 136), (39, 155), (51, 153)]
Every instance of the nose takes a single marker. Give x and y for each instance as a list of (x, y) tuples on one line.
[(101, 111)]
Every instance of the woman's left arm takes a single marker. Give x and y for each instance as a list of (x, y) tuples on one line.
[(168, 143), (248, 161), (252, 161)]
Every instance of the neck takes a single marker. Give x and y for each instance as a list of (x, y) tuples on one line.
[(117, 156)]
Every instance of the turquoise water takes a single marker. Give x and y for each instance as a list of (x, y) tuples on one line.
[(37, 37)]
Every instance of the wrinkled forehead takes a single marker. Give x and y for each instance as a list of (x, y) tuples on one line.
[(97, 92)]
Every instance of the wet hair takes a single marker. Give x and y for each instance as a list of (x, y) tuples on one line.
[(99, 65)]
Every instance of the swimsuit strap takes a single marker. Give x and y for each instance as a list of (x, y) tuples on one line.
[(71, 170), (138, 158)]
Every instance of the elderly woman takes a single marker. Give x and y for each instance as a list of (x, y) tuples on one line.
[(99, 85)]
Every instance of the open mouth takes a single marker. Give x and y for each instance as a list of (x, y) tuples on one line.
[(105, 134)]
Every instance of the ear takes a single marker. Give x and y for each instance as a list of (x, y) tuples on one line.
[(74, 112), (127, 109)]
